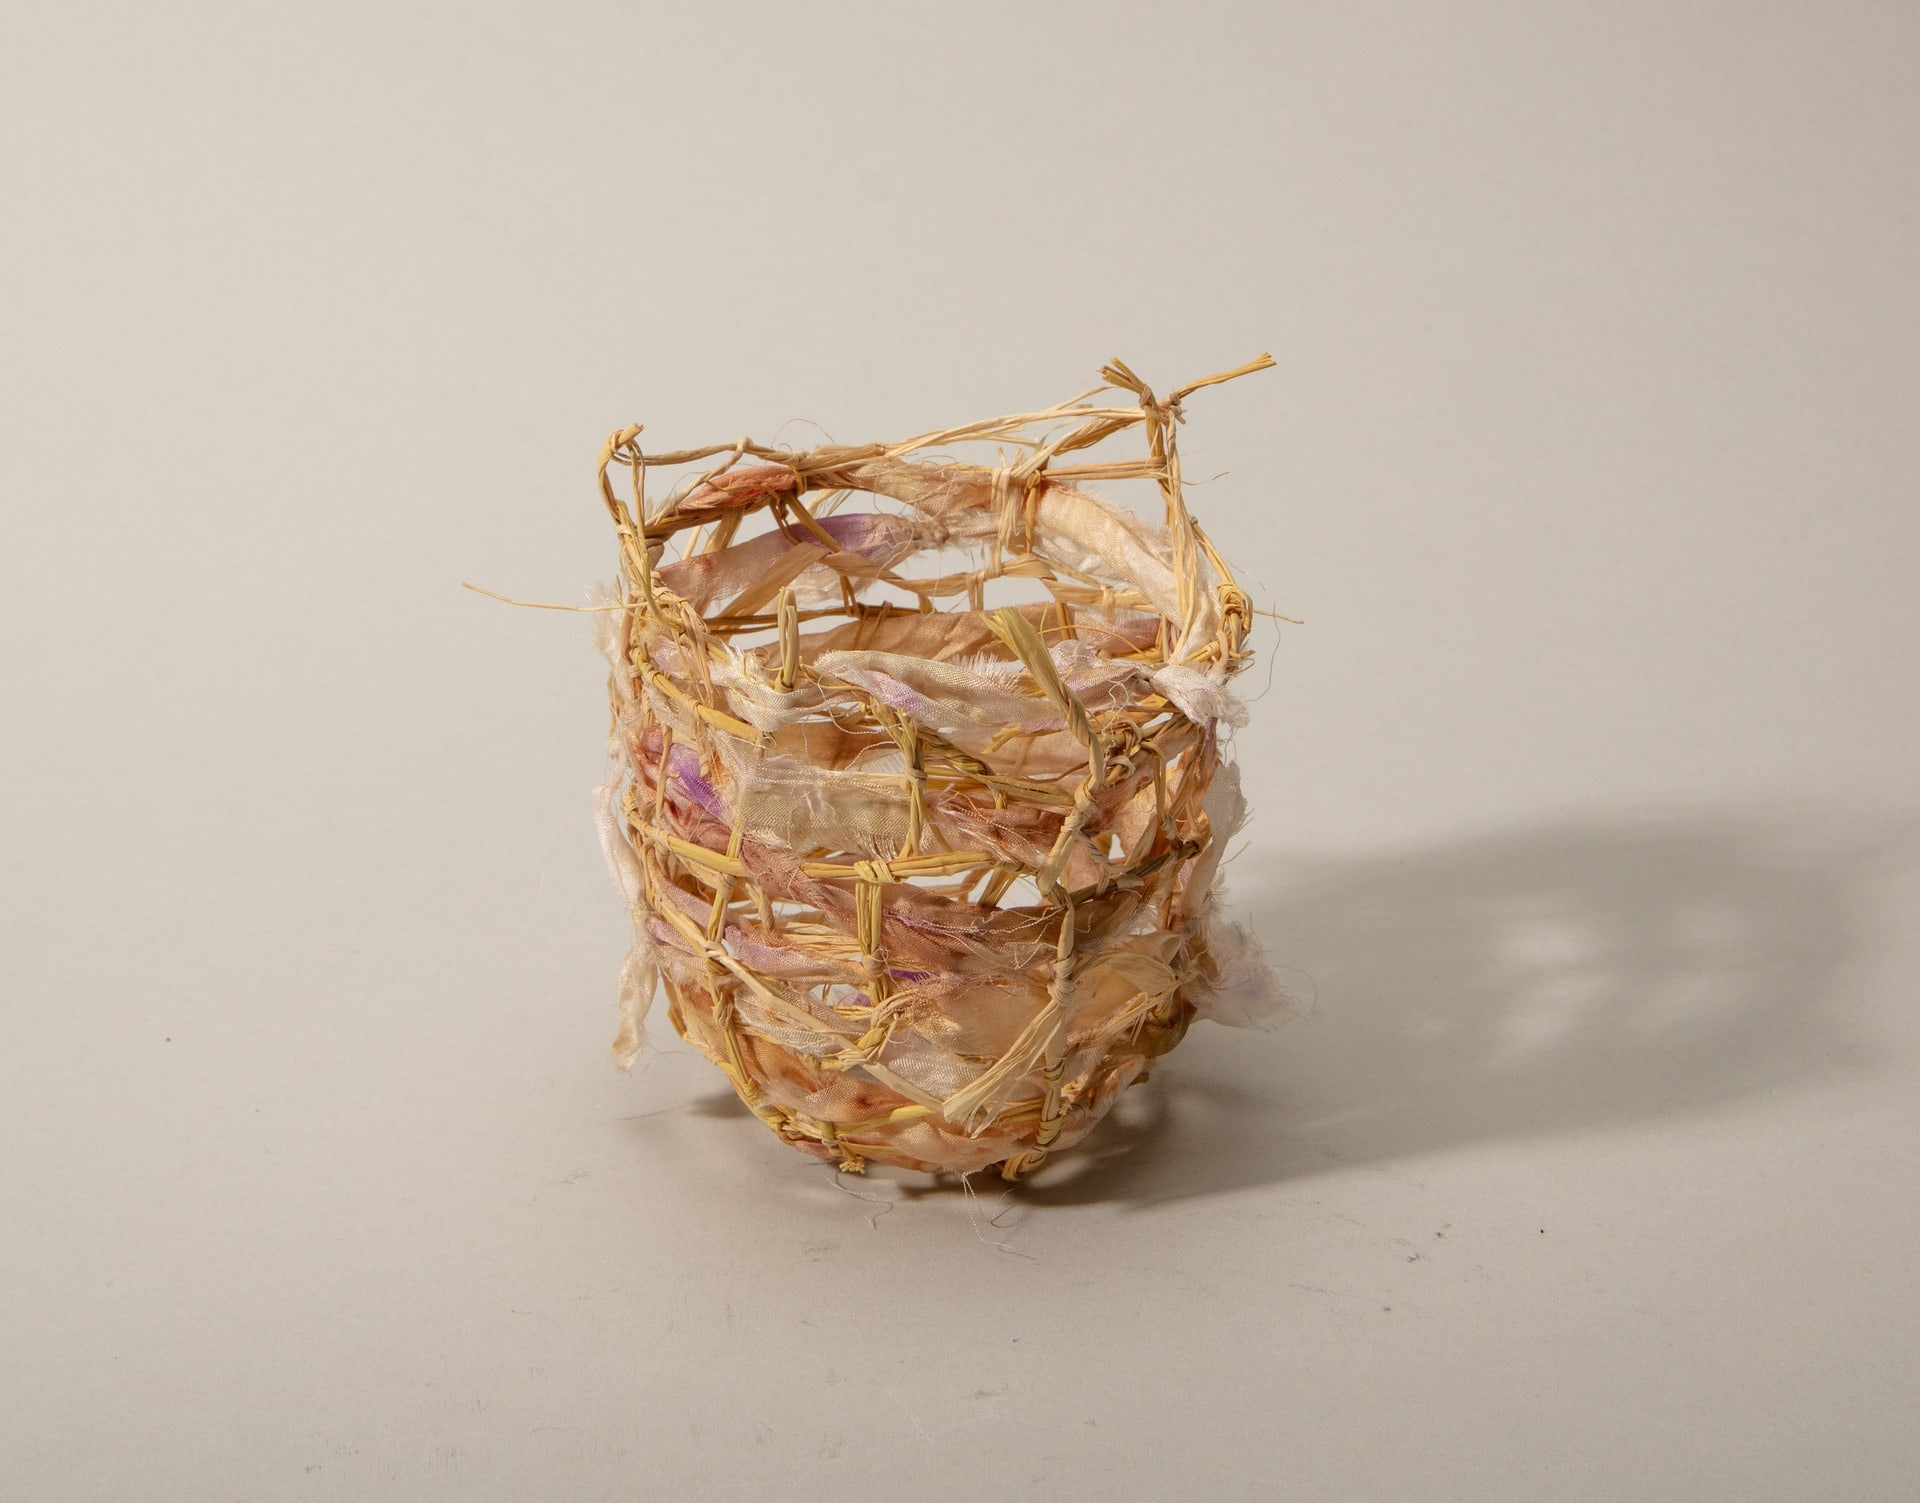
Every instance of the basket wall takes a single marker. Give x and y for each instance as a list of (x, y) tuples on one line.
[(927, 878)]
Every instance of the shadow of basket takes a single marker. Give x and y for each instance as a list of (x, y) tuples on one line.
[(1546, 981)]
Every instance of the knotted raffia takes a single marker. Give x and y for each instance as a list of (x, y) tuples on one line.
[(927, 880)]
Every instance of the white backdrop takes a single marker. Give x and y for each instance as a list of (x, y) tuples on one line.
[(1585, 799)]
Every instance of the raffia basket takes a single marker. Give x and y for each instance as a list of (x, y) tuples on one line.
[(927, 878)]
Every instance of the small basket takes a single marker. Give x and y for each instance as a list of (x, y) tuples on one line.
[(927, 878)]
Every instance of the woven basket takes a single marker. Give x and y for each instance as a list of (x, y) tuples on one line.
[(927, 878)]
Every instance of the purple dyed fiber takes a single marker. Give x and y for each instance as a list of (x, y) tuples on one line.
[(685, 767)]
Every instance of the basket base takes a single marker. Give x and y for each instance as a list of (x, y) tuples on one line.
[(872, 1124)]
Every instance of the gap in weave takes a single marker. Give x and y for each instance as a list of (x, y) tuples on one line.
[(757, 638), (943, 886), (833, 996), (995, 591), (939, 561), (1024, 896)]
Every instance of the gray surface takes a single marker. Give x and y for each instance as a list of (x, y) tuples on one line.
[(1585, 799)]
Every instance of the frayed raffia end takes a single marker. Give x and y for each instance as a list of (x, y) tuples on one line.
[(639, 974), (1200, 696), (931, 883), (1237, 987), (639, 979), (1233, 984)]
